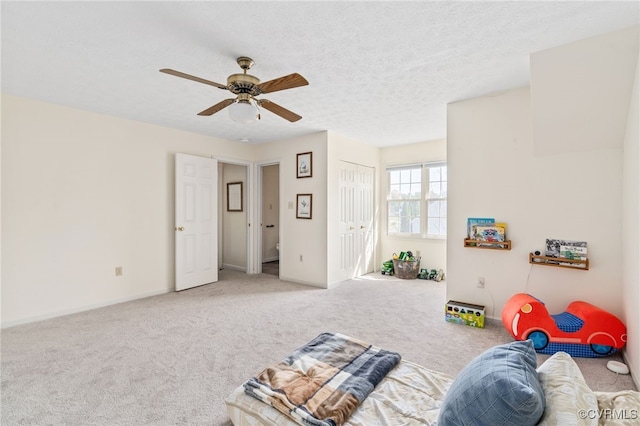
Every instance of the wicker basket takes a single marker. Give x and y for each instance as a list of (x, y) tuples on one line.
[(406, 269)]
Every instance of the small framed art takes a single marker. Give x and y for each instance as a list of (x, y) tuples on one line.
[(304, 165), (234, 197), (303, 206)]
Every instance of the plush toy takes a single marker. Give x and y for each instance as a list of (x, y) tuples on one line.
[(583, 330)]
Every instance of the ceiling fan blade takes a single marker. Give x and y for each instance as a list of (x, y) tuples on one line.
[(278, 110), (287, 82), (193, 77), (217, 107)]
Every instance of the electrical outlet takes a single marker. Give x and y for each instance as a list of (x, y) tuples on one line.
[(118, 271), (480, 282)]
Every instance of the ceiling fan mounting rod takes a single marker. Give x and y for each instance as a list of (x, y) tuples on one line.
[(245, 63)]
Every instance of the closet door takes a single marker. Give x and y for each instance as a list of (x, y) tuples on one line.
[(356, 219), (347, 219), (364, 226)]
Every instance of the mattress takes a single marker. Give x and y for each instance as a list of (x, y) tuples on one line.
[(409, 395)]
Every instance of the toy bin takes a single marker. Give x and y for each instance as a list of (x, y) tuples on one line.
[(406, 269)]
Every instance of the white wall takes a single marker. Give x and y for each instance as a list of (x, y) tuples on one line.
[(581, 91), (542, 190), (301, 237), (433, 251), (83, 193), (554, 196), (631, 231)]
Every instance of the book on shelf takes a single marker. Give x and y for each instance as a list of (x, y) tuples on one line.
[(567, 249), (573, 252), (489, 233), (472, 222), (486, 229)]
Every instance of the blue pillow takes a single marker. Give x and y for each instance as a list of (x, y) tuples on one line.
[(498, 387)]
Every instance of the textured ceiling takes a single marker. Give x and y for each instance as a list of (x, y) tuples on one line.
[(379, 72)]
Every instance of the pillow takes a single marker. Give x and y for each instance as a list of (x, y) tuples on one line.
[(498, 387), (570, 401)]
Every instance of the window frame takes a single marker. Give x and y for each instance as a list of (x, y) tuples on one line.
[(423, 200)]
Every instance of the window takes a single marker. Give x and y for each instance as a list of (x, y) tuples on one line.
[(417, 200)]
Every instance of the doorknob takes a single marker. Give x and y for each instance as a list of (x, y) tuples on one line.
[(180, 228), (362, 226), (350, 228)]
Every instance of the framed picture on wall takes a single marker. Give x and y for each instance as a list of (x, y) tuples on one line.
[(304, 165), (303, 206), (234, 196)]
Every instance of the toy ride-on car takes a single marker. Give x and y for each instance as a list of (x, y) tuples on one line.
[(583, 330)]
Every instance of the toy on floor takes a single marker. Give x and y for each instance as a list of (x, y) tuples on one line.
[(583, 330), (387, 267)]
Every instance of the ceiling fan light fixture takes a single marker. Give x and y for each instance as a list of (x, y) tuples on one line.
[(244, 112), (245, 108)]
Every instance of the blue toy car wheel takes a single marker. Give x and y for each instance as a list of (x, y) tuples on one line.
[(540, 340), (601, 349)]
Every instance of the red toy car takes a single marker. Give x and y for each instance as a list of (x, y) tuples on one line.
[(581, 326)]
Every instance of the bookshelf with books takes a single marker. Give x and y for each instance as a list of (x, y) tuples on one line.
[(562, 254), (486, 233), (536, 259)]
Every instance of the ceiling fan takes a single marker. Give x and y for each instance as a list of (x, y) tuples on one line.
[(244, 108)]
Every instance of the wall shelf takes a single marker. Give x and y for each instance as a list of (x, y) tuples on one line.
[(491, 245), (582, 265)]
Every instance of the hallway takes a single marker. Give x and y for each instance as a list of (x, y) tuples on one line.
[(271, 268)]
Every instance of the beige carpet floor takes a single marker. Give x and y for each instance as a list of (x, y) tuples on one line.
[(172, 359)]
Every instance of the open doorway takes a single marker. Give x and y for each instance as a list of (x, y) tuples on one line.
[(270, 219), (233, 218)]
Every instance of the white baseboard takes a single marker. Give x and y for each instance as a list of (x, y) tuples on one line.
[(270, 259), (7, 324), (309, 283), (631, 369), (234, 267)]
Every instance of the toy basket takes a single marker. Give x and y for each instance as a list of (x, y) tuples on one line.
[(406, 269)]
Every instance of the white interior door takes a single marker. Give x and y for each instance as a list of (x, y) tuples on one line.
[(347, 225), (196, 221), (364, 225), (356, 219)]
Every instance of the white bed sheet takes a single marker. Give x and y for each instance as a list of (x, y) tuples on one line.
[(618, 408), (409, 395)]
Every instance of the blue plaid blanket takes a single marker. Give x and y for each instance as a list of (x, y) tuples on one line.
[(324, 381)]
